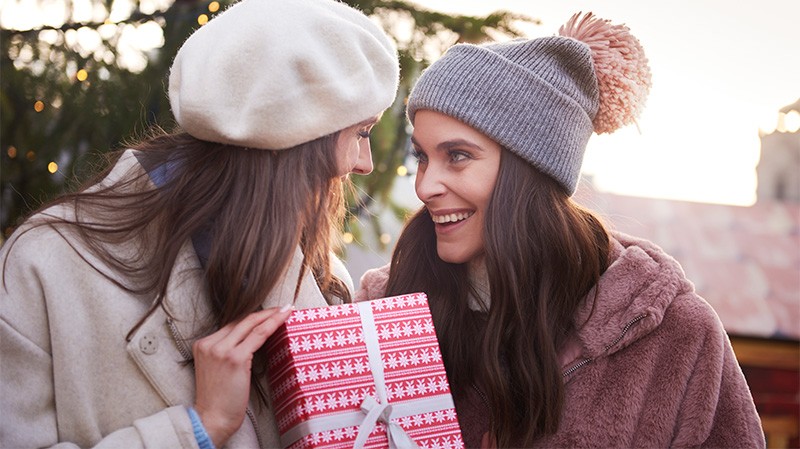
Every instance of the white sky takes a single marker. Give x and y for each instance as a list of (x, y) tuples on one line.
[(721, 70)]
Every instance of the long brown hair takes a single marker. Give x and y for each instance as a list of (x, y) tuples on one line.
[(254, 206), (543, 254)]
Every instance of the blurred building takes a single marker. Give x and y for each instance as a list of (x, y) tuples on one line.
[(779, 168)]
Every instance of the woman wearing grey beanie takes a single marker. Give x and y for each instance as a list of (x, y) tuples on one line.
[(554, 330), (133, 311)]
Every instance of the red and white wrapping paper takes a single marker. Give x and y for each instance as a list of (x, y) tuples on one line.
[(368, 375)]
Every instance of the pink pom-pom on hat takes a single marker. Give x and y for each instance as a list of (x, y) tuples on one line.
[(623, 73)]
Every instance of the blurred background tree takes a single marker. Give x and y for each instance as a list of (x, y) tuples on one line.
[(85, 82)]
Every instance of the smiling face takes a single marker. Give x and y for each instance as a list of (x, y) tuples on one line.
[(457, 171), (353, 152)]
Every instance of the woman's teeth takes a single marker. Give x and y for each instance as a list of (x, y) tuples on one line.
[(451, 218)]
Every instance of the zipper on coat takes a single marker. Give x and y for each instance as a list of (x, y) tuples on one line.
[(188, 357), (252, 417), (179, 342), (483, 397), (609, 346)]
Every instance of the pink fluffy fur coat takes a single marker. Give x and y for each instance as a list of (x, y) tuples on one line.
[(650, 365)]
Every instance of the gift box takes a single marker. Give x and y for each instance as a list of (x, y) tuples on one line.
[(368, 374)]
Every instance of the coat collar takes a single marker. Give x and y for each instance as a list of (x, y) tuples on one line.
[(628, 302)]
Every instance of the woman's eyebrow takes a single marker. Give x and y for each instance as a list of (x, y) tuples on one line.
[(447, 144)]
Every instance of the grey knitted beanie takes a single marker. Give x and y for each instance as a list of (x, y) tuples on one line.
[(542, 98)]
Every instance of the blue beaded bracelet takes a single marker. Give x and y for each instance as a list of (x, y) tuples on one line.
[(200, 434)]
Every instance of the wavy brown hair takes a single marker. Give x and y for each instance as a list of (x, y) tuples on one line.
[(253, 206), (543, 254)]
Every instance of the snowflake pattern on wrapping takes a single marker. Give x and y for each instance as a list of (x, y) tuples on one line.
[(319, 366)]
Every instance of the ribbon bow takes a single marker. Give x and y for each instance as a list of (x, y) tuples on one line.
[(398, 438)]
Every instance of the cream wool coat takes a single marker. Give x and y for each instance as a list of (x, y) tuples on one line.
[(69, 378)]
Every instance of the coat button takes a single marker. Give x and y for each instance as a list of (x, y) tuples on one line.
[(148, 344)]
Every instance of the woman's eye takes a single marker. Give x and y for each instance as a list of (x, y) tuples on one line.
[(419, 156), (458, 156)]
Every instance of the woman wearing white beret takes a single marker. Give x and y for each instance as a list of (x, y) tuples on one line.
[(132, 311)]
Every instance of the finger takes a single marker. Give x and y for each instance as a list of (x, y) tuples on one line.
[(259, 334), (246, 326), (220, 335), (232, 333)]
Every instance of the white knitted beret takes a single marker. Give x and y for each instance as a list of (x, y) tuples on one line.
[(272, 74)]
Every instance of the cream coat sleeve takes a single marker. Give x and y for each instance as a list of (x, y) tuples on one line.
[(65, 380)]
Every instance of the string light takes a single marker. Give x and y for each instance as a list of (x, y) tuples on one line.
[(52, 167), (402, 170), (386, 238), (202, 19), (38, 106), (82, 75), (30, 155), (213, 7), (12, 152), (347, 237), (792, 122)]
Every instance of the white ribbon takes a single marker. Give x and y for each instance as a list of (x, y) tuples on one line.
[(398, 438), (379, 410)]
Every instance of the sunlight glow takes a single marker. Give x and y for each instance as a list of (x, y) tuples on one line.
[(720, 74), (791, 122), (717, 84)]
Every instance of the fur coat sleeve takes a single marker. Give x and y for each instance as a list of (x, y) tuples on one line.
[(373, 284)]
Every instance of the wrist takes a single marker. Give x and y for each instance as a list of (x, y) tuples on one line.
[(204, 439)]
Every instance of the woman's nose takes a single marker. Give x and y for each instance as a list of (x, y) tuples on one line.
[(429, 183), (364, 162)]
